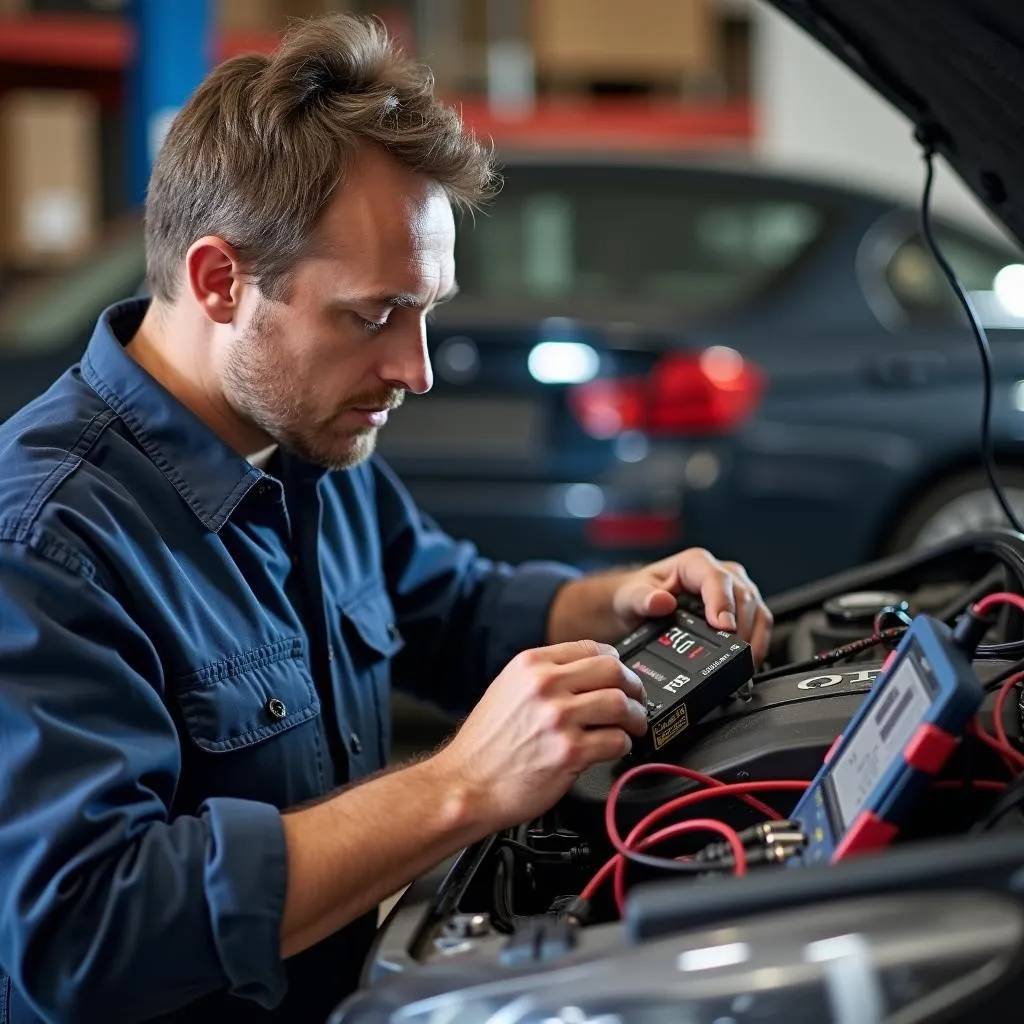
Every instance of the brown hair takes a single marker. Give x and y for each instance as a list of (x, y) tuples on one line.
[(256, 154)]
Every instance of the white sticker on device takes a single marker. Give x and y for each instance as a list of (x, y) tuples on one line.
[(879, 740)]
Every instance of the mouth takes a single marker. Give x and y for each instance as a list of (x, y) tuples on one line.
[(371, 417)]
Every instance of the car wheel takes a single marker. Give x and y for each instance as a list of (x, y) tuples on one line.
[(956, 506)]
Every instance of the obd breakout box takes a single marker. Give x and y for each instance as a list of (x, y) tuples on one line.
[(688, 669)]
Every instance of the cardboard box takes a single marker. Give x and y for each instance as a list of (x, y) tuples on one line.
[(49, 177), (269, 15), (248, 15), (642, 39)]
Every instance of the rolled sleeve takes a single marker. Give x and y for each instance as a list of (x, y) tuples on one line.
[(246, 880), (107, 898), (463, 616)]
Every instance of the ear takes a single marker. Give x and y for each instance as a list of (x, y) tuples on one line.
[(214, 277)]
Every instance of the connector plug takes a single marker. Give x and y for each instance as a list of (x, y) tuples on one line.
[(970, 630), (576, 913)]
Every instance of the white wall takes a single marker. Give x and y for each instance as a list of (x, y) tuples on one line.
[(817, 115)]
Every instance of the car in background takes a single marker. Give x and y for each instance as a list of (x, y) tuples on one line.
[(647, 353)]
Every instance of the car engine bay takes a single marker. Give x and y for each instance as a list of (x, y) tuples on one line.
[(546, 923)]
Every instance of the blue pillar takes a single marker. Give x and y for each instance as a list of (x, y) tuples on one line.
[(173, 53)]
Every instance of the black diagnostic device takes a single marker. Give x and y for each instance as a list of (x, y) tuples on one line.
[(688, 669)]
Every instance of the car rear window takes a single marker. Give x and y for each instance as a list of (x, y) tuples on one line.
[(596, 237)]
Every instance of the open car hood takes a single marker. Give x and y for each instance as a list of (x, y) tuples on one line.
[(955, 68)]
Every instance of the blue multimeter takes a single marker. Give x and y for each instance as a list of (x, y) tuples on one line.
[(898, 741)]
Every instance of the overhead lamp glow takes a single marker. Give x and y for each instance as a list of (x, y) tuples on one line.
[(563, 362), (584, 501), (1009, 288)]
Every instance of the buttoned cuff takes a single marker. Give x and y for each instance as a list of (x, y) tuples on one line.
[(246, 877)]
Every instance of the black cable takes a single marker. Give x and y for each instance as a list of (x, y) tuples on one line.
[(987, 454), (683, 867), (831, 657), (502, 914), (997, 680), (990, 652), (1010, 798), (994, 580), (542, 856)]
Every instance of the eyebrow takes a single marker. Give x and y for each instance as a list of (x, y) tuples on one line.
[(407, 301)]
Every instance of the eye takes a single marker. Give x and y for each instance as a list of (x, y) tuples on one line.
[(371, 326)]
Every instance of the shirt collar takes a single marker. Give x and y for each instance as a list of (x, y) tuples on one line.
[(210, 476)]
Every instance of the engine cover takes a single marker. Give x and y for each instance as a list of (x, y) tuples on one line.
[(781, 731)]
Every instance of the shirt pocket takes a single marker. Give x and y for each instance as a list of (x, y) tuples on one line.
[(252, 722), (370, 639)]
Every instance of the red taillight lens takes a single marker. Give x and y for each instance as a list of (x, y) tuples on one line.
[(636, 530), (709, 392)]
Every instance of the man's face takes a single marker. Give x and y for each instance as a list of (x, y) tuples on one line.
[(319, 372)]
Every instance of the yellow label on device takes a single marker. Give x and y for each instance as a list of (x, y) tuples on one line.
[(678, 721)]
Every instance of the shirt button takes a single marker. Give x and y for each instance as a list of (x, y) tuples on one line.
[(262, 489), (394, 632), (276, 708), (355, 744), (330, 652)]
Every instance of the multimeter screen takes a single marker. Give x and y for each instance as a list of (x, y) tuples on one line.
[(879, 740)]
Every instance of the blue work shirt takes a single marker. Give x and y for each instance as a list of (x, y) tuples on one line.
[(189, 644)]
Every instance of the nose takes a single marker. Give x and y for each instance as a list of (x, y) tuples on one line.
[(406, 361)]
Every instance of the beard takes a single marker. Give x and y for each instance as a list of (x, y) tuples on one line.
[(262, 386)]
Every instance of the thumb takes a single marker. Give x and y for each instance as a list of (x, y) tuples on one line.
[(644, 600)]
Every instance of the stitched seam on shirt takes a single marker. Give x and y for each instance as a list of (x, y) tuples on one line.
[(262, 732), (355, 599), (213, 522), (45, 545), (227, 668), (59, 473), (5, 997)]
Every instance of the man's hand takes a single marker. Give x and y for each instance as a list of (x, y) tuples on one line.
[(550, 714), (610, 606)]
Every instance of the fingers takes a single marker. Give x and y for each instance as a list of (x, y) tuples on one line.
[(572, 650), (580, 666), (602, 674), (754, 620), (642, 599), (746, 610), (598, 745), (761, 636), (717, 593), (602, 709)]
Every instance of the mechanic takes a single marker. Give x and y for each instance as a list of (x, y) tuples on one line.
[(207, 581)]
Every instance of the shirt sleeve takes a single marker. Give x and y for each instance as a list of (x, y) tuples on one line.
[(108, 900), (463, 617)]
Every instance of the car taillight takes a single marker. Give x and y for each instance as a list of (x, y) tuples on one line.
[(709, 392)]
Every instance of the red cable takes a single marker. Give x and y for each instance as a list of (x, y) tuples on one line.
[(671, 807), (997, 711), (1011, 758), (741, 790), (682, 802), (684, 827), (1002, 597), (683, 773)]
